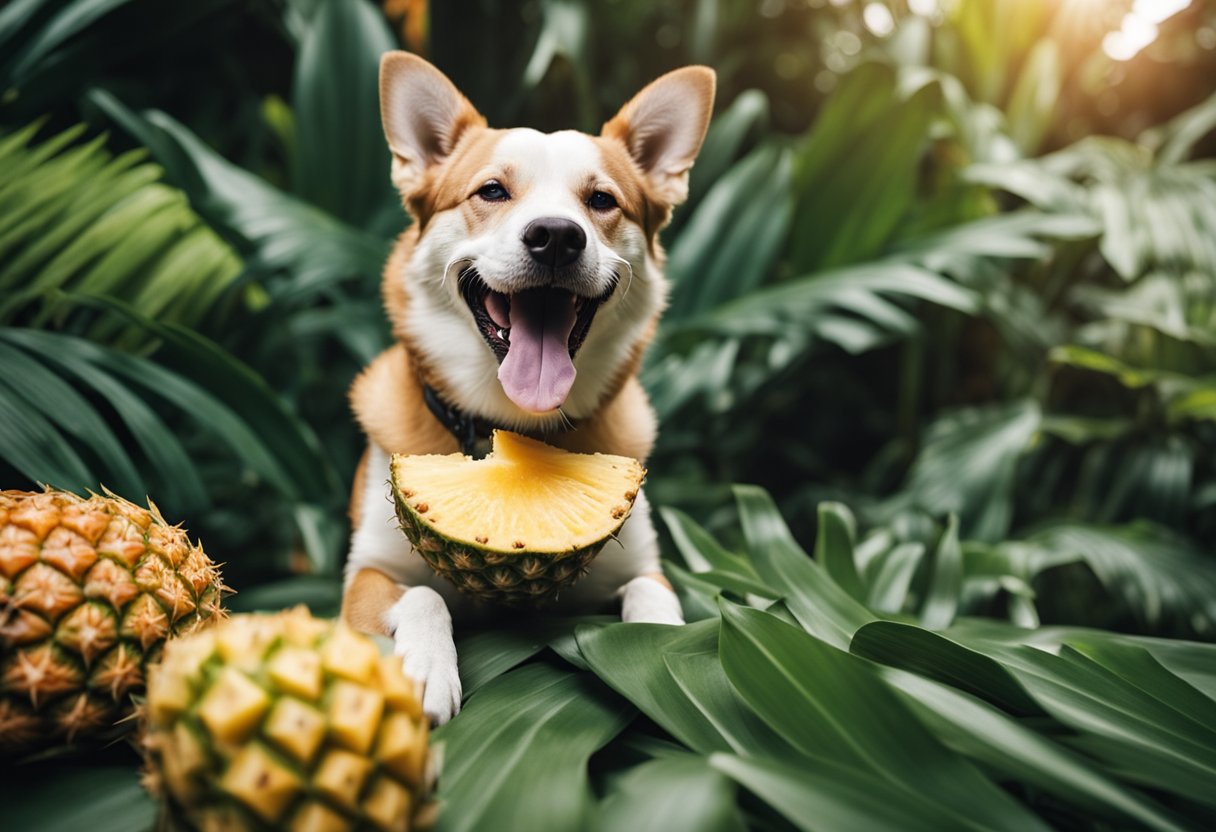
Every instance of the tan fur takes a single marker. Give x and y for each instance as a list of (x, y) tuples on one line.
[(387, 396), (368, 597)]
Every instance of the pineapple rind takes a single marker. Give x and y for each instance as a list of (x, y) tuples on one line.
[(523, 572), (90, 588), (338, 757)]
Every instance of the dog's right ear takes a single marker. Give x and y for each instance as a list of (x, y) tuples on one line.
[(423, 113)]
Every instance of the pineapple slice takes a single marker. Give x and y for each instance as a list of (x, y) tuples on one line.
[(519, 525), (233, 706), (245, 643), (255, 779)]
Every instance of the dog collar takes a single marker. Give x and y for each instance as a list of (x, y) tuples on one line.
[(471, 432)]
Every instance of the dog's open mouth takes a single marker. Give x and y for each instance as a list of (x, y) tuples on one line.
[(535, 335)]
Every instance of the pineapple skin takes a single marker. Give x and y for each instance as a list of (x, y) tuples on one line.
[(90, 589), (513, 579), (244, 731)]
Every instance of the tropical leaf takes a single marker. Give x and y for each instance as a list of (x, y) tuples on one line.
[(534, 728), (75, 219)]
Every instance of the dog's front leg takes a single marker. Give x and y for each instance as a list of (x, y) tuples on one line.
[(385, 594), (418, 621), (422, 635)]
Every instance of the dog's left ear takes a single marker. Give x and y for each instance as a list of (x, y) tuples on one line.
[(424, 115), (663, 127)]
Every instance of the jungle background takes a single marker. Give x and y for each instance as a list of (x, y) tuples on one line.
[(943, 316)]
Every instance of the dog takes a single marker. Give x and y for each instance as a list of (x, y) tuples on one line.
[(522, 296)]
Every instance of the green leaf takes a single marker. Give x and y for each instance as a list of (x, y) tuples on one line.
[(945, 579), (888, 589), (831, 704), (929, 654), (1007, 747), (342, 160), (285, 233), (668, 794), (727, 246), (528, 733), (834, 547), (818, 603), (824, 794), (488, 652), (67, 796), (967, 466)]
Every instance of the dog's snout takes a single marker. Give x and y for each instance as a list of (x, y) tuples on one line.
[(554, 241)]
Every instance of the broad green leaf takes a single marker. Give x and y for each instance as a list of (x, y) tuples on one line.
[(945, 579), (929, 654), (727, 246), (526, 734), (342, 159), (488, 652), (829, 703), (630, 659), (888, 589), (67, 796), (825, 795), (1006, 746), (834, 547), (967, 466), (1149, 731), (818, 603), (668, 794)]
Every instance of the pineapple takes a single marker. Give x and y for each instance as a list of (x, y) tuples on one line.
[(518, 526), (285, 721), (89, 591)]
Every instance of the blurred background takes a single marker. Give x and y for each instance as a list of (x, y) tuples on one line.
[(940, 257)]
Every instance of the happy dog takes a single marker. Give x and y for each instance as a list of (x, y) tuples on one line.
[(522, 297)]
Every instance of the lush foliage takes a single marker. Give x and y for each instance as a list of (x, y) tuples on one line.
[(911, 278)]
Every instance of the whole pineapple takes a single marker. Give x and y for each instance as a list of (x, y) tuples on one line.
[(89, 591), (519, 526), (285, 721)]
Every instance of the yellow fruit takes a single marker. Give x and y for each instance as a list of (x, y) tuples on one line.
[(518, 526), (288, 723), (89, 591)]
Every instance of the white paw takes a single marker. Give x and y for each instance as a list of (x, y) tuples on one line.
[(422, 635), (645, 600)]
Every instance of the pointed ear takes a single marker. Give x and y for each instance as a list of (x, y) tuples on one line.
[(663, 126), (423, 113)]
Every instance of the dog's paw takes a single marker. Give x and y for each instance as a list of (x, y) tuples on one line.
[(646, 601), (422, 636)]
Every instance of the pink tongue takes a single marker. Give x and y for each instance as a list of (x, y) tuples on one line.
[(537, 373)]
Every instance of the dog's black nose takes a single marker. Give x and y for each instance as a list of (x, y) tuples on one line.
[(554, 242)]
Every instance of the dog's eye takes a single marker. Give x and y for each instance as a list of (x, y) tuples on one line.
[(493, 192), (601, 201)]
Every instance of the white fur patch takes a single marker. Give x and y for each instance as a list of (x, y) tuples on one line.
[(422, 635), (646, 601)]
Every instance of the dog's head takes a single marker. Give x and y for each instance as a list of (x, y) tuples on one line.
[(537, 273)]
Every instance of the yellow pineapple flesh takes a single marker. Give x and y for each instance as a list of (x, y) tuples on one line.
[(518, 526), (89, 591), (290, 722)]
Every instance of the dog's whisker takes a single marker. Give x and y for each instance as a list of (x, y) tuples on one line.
[(628, 266), (455, 261)]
